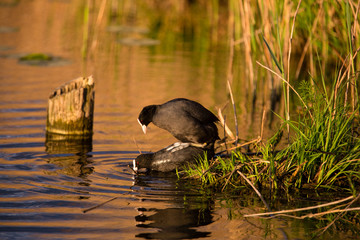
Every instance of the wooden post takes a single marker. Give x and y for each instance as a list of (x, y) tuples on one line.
[(71, 108)]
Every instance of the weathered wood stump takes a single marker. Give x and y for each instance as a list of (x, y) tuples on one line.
[(71, 108)]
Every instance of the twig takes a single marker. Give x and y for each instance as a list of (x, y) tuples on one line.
[(247, 143), (99, 205), (137, 145), (212, 164), (299, 209), (262, 124), (257, 191), (232, 172), (314, 215), (133, 171)]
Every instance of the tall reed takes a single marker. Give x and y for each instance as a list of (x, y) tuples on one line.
[(324, 150)]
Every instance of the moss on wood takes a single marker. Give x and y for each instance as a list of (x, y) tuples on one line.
[(71, 108)]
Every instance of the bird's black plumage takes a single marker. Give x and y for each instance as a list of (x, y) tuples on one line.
[(173, 157), (185, 119)]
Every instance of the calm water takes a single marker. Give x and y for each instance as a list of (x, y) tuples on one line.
[(45, 186)]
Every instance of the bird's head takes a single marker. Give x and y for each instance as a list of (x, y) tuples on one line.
[(146, 116)]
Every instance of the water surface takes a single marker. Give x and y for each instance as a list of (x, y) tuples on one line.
[(46, 185)]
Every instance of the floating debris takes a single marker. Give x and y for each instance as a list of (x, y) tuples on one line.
[(5, 48), (5, 29), (41, 59)]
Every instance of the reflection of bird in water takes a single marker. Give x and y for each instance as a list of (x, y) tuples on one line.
[(187, 209), (173, 157), (174, 223), (185, 119), (195, 127)]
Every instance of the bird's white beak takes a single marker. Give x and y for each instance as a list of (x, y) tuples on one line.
[(134, 166), (142, 126)]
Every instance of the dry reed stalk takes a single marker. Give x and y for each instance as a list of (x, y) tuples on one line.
[(308, 41), (353, 63), (245, 14), (288, 68), (284, 28), (351, 81), (262, 124), (234, 107), (230, 68), (341, 76), (300, 209), (226, 128), (351, 84), (267, 25)]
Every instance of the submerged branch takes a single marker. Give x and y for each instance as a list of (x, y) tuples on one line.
[(99, 205), (299, 209), (257, 191), (346, 209)]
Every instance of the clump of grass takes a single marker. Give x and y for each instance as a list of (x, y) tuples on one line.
[(210, 173), (324, 151)]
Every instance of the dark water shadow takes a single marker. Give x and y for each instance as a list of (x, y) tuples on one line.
[(189, 209), (173, 223)]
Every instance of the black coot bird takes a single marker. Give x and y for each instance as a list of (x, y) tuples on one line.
[(186, 120), (172, 157)]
